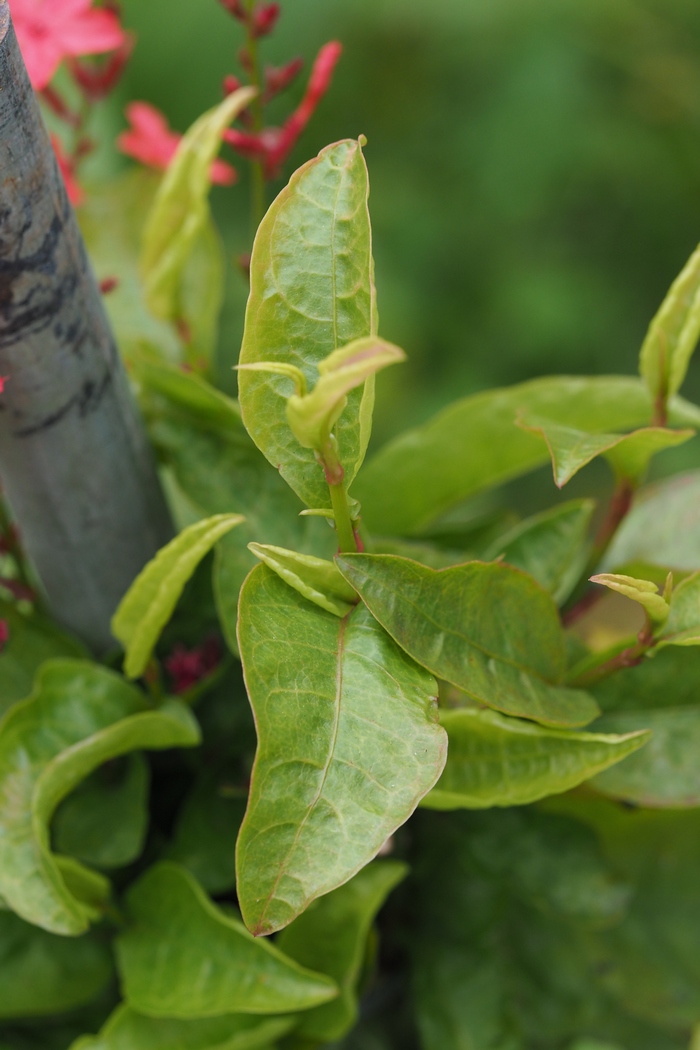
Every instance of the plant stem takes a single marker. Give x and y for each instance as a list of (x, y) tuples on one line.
[(343, 521), (628, 657), (257, 175)]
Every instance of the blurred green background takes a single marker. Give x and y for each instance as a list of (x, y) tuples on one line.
[(535, 170)]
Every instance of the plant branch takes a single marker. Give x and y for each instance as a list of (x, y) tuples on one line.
[(628, 657)]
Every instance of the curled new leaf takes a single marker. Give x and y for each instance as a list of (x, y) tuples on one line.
[(317, 579), (79, 716), (642, 591), (683, 624), (183, 957), (673, 334), (149, 603)]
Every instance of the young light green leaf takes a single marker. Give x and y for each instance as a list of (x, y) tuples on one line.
[(312, 416), (348, 744), (673, 333), (474, 444), (32, 640), (179, 217), (79, 716), (485, 627), (331, 936), (644, 592), (128, 1030), (312, 291), (104, 821), (498, 761), (550, 546), (183, 957), (683, 624), (41, 973), (150, 601), (317, 579), (629, 454)]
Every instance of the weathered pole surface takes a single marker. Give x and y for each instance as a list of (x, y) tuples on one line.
[(75, 463)]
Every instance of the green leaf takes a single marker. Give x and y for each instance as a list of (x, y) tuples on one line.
[(312, 291), (183, 957), (150, 601), (188, 391), (644, 592), (348, 744), (487, 628), (128, 1030), (673, 333), (179, 222), (550, 546), (662, 528), (79, 716), (205, 835), (498, 761), (317, 579), (32, 640), (331, 936), (200, 296), (683, 624), (629, 454), (105, 820), (41, 973), (474, 444)]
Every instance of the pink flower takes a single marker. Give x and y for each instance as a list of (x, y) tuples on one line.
[(4, 634), (186, 667), (3, 380), (50, 30), (272, 146), (151, 141), (67, 168)]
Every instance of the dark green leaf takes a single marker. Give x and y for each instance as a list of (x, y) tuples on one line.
[(79, 716), (348, 744), (188, 391), (331, 936), (312, 292), (487, 628), (498, 761), (32, 640), (182, 957), (474, 444), (204, 840)]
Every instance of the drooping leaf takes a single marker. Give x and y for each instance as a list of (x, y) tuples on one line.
[(662, 528), (485, 627), (188, 391), (331, 937), (644, 592), (41, 973), (149, 603), (79, 716), (673, 333), (498, 761), (629, 454), (183, 957), (32, 640), (317, 579), (128, 1030), (105, 820), (179, 221), (348, 744), (204, 839), (312, 291), (474, 444), (550, 546), (683, 624)]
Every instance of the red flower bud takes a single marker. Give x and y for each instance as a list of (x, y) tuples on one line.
[(235, 8), (98, 80), (265, 19), (4, 634), (109, 284), (277, 79), (3, 380), (231, 84), (187, 667)]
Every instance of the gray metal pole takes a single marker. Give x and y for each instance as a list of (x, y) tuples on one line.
[(75, 462)]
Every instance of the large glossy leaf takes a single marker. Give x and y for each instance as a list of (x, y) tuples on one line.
[(105, 820), (663, 527), (79, 716), (498, 761), (629, 454), (673, 333), (331, 936), (312, 291), (179, 221), (474, 444), (41, 973), (32, 640), (204, 839), (487, 628), (183, 957), (348, 744), (128, 1030), (150, 601), (550, 546)]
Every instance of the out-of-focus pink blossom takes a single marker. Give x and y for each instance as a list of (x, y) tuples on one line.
[(73, 188), (265, 19), (4, 634), (277, 79), (50, 30), (151, 141), (186, 667)]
